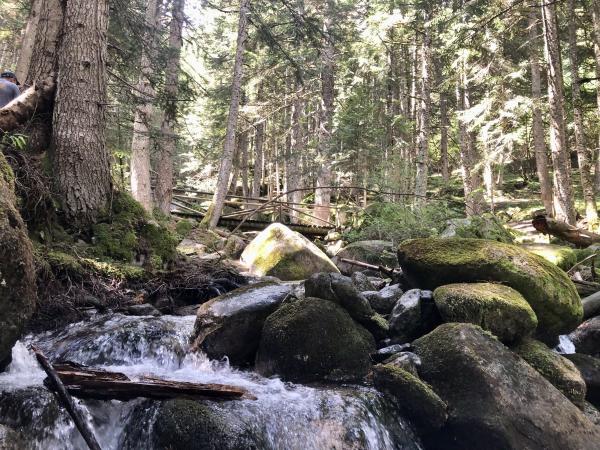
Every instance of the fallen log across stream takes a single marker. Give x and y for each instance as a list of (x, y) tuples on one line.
[(577, 236), (87, 383)]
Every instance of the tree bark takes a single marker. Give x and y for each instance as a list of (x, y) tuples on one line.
[(585, 169), (259, 140), (80, 159), (141, 142), (537, 126), (243, 143), (327, 110), (422, 156), (44, 58), (444, 137), (164, 168), (563, 192), (28, 41), (596, 35), (294, 174), (35, 100), (214, 213)]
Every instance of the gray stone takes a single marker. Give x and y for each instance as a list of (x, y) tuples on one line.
[(586, 337), (589, 367), (361, 282), (377, 253), (145, 309), (407, 361), (413, 315), (384, 300), (384, 353)]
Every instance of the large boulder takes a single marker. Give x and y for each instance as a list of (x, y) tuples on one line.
[(341, 290), (589, 367), (495, 399), (494, 307), (413, 315), (230, 325), (377, 253), (280, 252), (314, 339), (586, 337), (431, 263), (563, 257), (555, 368), (190, 425), (416, 399)]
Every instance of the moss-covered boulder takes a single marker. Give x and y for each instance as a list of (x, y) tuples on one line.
[(431, 263), (589, 367), (231, 324), (378, 253), (555, 368), (314, 339), (190, 425), (280, 252), (416, 399), (563, 257), (494, 307), (495, 399)]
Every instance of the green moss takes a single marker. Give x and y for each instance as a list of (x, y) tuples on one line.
[(161, 242), (183, 227), (558, 370), (485, 227), (494, 307), (6, 173), (431, 263), (415, 397), (77, 268), (563, 257)]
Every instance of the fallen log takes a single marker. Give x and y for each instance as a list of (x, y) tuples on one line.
[(591, 306), (585, 288), (562, 230), (83, 382), (385, 270), (67, 401), (35, 100)]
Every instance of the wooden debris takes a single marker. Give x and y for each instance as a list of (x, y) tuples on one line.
[(67, 401), (591, 306), (385, 270), (562, 230)]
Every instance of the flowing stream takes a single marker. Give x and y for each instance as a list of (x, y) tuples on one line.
[(285, 416)]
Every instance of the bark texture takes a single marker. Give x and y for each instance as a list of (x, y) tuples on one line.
[(564, 208), (294, 174), (44, 57), (164, 181), (214, 213), (28, 42), (35, 100), (539, 142), (141, 142), (80, 159), (444, 137), (259, 141)]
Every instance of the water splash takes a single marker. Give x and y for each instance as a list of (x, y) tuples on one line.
[(565, 345)]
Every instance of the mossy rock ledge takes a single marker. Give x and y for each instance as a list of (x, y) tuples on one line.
[(280, 252), (555, 368), (431, 263), (314, 339), (496, 308)]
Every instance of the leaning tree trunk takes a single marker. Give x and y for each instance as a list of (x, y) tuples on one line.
[(324, 176), (164, 180), (141, 141), (80, 160), (585, 170), (424, 119), (214, 214), (28, 42), (294, 174), (259, 141), (596, 35), (539, 142), (17, 271), (563, 192)]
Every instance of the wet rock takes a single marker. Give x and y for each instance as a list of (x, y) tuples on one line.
[(189, 247), (405, 360), (234, 246), (340, 289), (496, 308), (586, 337), (431, 263), (413, 315), (592, 413), (555, 368), (361, 282), (377, 282), (589, 367), (314, 339), (11, 439), (495, 399), (415, 398), (190, 425), (145, 309), (384, 353), (230, 325), (377, 253), (384, 300), (281, 252)]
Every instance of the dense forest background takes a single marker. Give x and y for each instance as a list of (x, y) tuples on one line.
[(452, 100)]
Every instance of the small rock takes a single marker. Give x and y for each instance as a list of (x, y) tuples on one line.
[(234, 246), (386, 352), (384, 301), (586, 337), (377, 282), (407, 361), (145, 309), (361, 282), (413, 315)]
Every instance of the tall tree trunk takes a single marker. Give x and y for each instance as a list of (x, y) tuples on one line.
[(81, 161), (424, 119), (259, 141), (141, 141), (596, 35), (294, 174), (213, 215), (324, 177), (537, 126), (585, 169), (444, 137), (28, 41), (44, 58), (243, 149), (164, 181), (563, 192)]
